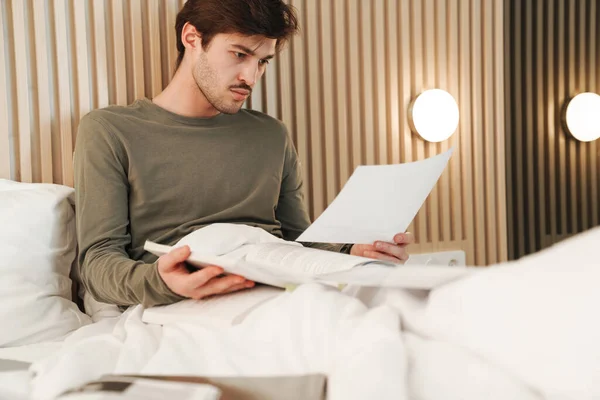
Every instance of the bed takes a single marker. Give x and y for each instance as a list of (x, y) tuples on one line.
[(527, 329)]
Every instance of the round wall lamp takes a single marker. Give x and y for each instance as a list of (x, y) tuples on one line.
[(434, 115), (582, 116)]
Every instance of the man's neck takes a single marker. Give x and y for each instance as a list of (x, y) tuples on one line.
[(183, 97)]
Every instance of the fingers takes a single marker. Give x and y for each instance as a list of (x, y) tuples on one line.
[(381, 256), (360, 249), (171, 260), (404, 238), (382, 250), (198, 284), (241, 286), (202, 276), (220, 285), (395, 250)]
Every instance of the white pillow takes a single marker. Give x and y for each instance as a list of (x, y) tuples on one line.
[(37, 248)]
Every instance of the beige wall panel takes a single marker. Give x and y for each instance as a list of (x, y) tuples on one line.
[(23, 124), (43, 113), (99, 54), (64, 85), (6, 169)]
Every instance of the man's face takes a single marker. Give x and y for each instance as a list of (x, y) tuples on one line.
[(229, 68)]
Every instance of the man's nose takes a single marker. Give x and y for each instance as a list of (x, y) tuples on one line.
[(250, 74)]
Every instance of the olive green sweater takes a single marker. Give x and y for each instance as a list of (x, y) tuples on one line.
[(142, 172)]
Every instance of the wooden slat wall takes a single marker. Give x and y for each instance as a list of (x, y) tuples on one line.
[(553, 178), (7, 167), (343, 87)]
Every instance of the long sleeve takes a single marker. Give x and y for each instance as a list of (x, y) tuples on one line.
[(291, 209), (102, 209)]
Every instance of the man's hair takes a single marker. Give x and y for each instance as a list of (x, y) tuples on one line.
[(270, 18)]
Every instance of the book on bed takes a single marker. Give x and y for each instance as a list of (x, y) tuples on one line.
[(285, 264)]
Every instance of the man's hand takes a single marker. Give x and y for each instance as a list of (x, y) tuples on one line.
[(198, 284), (395, 252)]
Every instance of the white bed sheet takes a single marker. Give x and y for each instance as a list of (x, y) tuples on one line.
[(15, 362), (376, 343), (15, 378), (525, 330), (30, 353), (314, 329)]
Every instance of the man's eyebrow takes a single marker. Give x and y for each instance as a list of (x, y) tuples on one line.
[(251, 52)]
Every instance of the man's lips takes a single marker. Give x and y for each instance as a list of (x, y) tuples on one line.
[(240, 94)]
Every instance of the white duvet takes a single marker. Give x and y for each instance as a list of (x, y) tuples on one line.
[(523, 330)]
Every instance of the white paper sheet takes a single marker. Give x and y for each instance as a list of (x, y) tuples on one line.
[(377, 202)]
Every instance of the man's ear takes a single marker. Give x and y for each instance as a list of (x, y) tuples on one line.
[(190, 37)]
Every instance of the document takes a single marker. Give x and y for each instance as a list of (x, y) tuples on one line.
[(377, 202)]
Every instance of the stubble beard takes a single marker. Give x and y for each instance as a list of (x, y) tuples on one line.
[(207, 82)]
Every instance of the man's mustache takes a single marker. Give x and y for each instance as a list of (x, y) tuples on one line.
[(243, 86)]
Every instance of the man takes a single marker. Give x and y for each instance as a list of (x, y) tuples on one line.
[(160, 169)]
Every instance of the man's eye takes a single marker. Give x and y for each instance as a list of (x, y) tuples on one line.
[(263, 62), (239, 55)]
